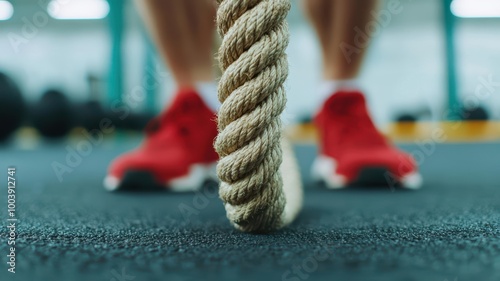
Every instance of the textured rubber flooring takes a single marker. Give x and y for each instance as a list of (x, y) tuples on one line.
[(74, 230)]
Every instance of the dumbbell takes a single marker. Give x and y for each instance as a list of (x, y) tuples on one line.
[(412, 116), (133, 121), (53, 115), (477, 113), (90, 115), (12, 107)]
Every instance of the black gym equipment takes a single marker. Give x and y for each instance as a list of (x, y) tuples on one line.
[(137, 121), (406, 117), (12, 107), (53, 115), (477, 113), (92, 112), (305, 119), (413, 116), (90, 115)]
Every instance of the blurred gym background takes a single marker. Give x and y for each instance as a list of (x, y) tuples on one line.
[(80, 60)]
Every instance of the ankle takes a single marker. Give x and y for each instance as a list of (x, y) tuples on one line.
[(329, 87)]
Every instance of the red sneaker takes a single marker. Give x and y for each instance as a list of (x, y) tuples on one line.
[(353, 151), (177, 153)]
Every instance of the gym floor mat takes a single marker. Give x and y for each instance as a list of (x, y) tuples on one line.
[(71, 229)]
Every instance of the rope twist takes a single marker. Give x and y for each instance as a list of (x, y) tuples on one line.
[(255, 67)]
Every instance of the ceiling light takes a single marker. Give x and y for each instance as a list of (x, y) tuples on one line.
[(6, 10), (476, 8), (78, 9)]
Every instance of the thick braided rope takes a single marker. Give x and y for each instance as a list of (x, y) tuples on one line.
[(252, 57)]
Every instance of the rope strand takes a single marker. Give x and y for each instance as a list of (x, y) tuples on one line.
[(252, 57)]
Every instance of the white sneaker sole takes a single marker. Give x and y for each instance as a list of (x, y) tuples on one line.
[(323, 169), (196, 176)]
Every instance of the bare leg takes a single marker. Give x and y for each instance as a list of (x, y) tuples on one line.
[(336, 22), (320, 13), (183, 32), (202, 25)]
